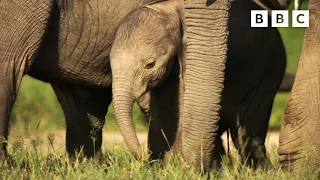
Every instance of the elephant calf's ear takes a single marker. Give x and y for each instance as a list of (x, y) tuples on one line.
[(182, 45)]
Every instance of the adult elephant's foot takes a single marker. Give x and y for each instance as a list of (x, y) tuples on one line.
[(299, 146)]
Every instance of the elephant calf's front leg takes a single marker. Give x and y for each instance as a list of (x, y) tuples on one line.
[(85, 111)]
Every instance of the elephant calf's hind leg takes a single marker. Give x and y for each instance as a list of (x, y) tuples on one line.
[(85, 111)]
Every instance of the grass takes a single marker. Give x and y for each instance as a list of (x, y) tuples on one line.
[(117, 163)]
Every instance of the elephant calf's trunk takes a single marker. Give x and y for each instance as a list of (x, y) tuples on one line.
[(122, 105)]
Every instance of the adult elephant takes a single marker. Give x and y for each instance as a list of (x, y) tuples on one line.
[(299, 143)]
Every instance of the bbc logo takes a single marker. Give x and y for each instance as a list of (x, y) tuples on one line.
[(280, 18)]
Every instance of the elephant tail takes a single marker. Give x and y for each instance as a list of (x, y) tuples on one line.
[(287, 82)]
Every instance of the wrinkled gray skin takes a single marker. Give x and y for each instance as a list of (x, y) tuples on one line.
[(147, 48), (66, 43), (299, 144)]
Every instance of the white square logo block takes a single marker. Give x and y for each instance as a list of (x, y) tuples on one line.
[(259, 18), (300, 18), (280, 18)]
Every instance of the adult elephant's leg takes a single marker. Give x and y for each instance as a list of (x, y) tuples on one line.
[(254, 118), (10, 81), (299, 140), (22, 27), (85, 110)]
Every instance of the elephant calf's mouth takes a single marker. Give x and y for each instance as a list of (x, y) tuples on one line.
[(144, 103)]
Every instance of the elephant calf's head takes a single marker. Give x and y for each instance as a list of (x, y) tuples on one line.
[(142, 56)]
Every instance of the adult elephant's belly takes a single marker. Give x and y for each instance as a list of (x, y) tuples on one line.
[(78, 41)]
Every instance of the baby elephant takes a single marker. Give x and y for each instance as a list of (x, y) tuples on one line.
[(143, 56)]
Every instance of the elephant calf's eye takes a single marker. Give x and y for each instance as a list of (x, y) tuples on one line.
[(150, 64)]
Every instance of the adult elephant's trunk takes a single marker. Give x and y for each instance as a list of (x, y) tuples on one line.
[(207, 33), (122, 106)]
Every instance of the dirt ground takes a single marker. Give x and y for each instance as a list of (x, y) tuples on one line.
[(110, 139)]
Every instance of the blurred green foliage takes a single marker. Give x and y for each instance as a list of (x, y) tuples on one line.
[(37, 107)]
